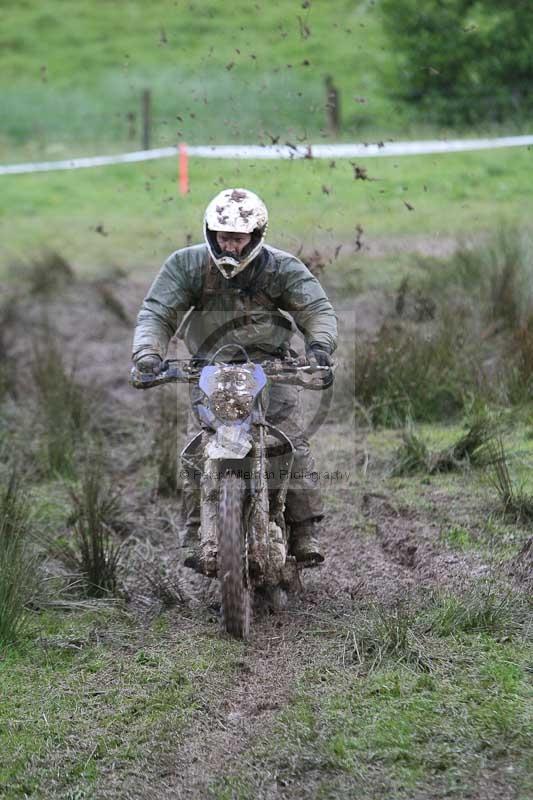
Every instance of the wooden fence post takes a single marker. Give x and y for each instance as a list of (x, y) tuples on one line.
[(332, 106), (146, 113)]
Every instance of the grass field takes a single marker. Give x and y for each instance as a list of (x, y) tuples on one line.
[(133, 216), (229, 77), (403, 667), (247, 75), (214, 75)]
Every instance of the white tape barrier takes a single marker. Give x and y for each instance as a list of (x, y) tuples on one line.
[(254, 152)]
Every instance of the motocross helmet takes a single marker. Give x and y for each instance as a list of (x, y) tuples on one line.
[(235, 211)]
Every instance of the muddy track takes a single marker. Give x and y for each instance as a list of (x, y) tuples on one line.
[(376, 552), (383, 555)]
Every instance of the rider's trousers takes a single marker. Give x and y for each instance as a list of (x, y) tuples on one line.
[(304, 500)]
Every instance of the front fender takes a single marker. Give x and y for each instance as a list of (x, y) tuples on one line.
[(229, 442)]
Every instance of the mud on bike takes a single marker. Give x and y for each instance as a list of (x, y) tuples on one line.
[(244, 539)]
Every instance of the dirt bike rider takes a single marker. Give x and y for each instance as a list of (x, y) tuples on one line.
[(240, 291)]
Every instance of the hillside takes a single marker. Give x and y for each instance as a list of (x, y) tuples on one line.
[(216, 74)]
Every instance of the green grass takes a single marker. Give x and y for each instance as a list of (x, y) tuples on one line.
[(398, 730), (216, 73), (89, 694), (143, 218), (432, 700), (84, 83)]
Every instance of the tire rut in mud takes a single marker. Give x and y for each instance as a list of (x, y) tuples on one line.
[(220, 737)]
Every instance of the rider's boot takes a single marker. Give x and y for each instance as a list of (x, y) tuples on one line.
[(304, 543)]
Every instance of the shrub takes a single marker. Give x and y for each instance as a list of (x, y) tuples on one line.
[(445, 58)]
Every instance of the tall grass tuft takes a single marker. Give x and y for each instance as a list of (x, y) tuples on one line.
[(482, 609), (169, 421), (390, 633), (510, 270), (519, 364), (473, 448), (7, 366), (18, 573), (498, 274), (344, 384), (96, 515), (63, 406), (413, 455), (47, 273), (112, 303), (516, 503), (408, 374), (92, 552)]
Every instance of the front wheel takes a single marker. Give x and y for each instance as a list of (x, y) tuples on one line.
[(232, 570)]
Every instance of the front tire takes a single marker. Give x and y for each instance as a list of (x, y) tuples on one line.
[(232, 572)]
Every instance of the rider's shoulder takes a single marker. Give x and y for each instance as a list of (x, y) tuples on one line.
[(188, 255), (187, 259), (285, 261)]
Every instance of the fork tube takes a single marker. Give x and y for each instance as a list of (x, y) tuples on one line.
[(209, 491), (259, 518)]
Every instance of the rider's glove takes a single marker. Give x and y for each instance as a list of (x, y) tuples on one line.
[(321, 354), (149, 364)]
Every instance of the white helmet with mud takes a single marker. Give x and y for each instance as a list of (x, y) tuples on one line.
[(235, 211)]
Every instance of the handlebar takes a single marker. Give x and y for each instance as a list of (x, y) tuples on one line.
[(289, 371)]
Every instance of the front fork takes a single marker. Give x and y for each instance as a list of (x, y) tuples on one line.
[(263, 525), (256, 510), (209, 494)]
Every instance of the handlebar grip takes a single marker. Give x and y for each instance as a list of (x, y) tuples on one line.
[(145, 380)]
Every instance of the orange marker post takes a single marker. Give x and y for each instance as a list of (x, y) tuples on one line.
[(183, 168)]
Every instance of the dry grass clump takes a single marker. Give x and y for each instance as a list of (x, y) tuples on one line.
[(165, 585)]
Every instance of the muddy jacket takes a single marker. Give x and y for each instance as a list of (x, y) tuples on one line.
[(250, 309)]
